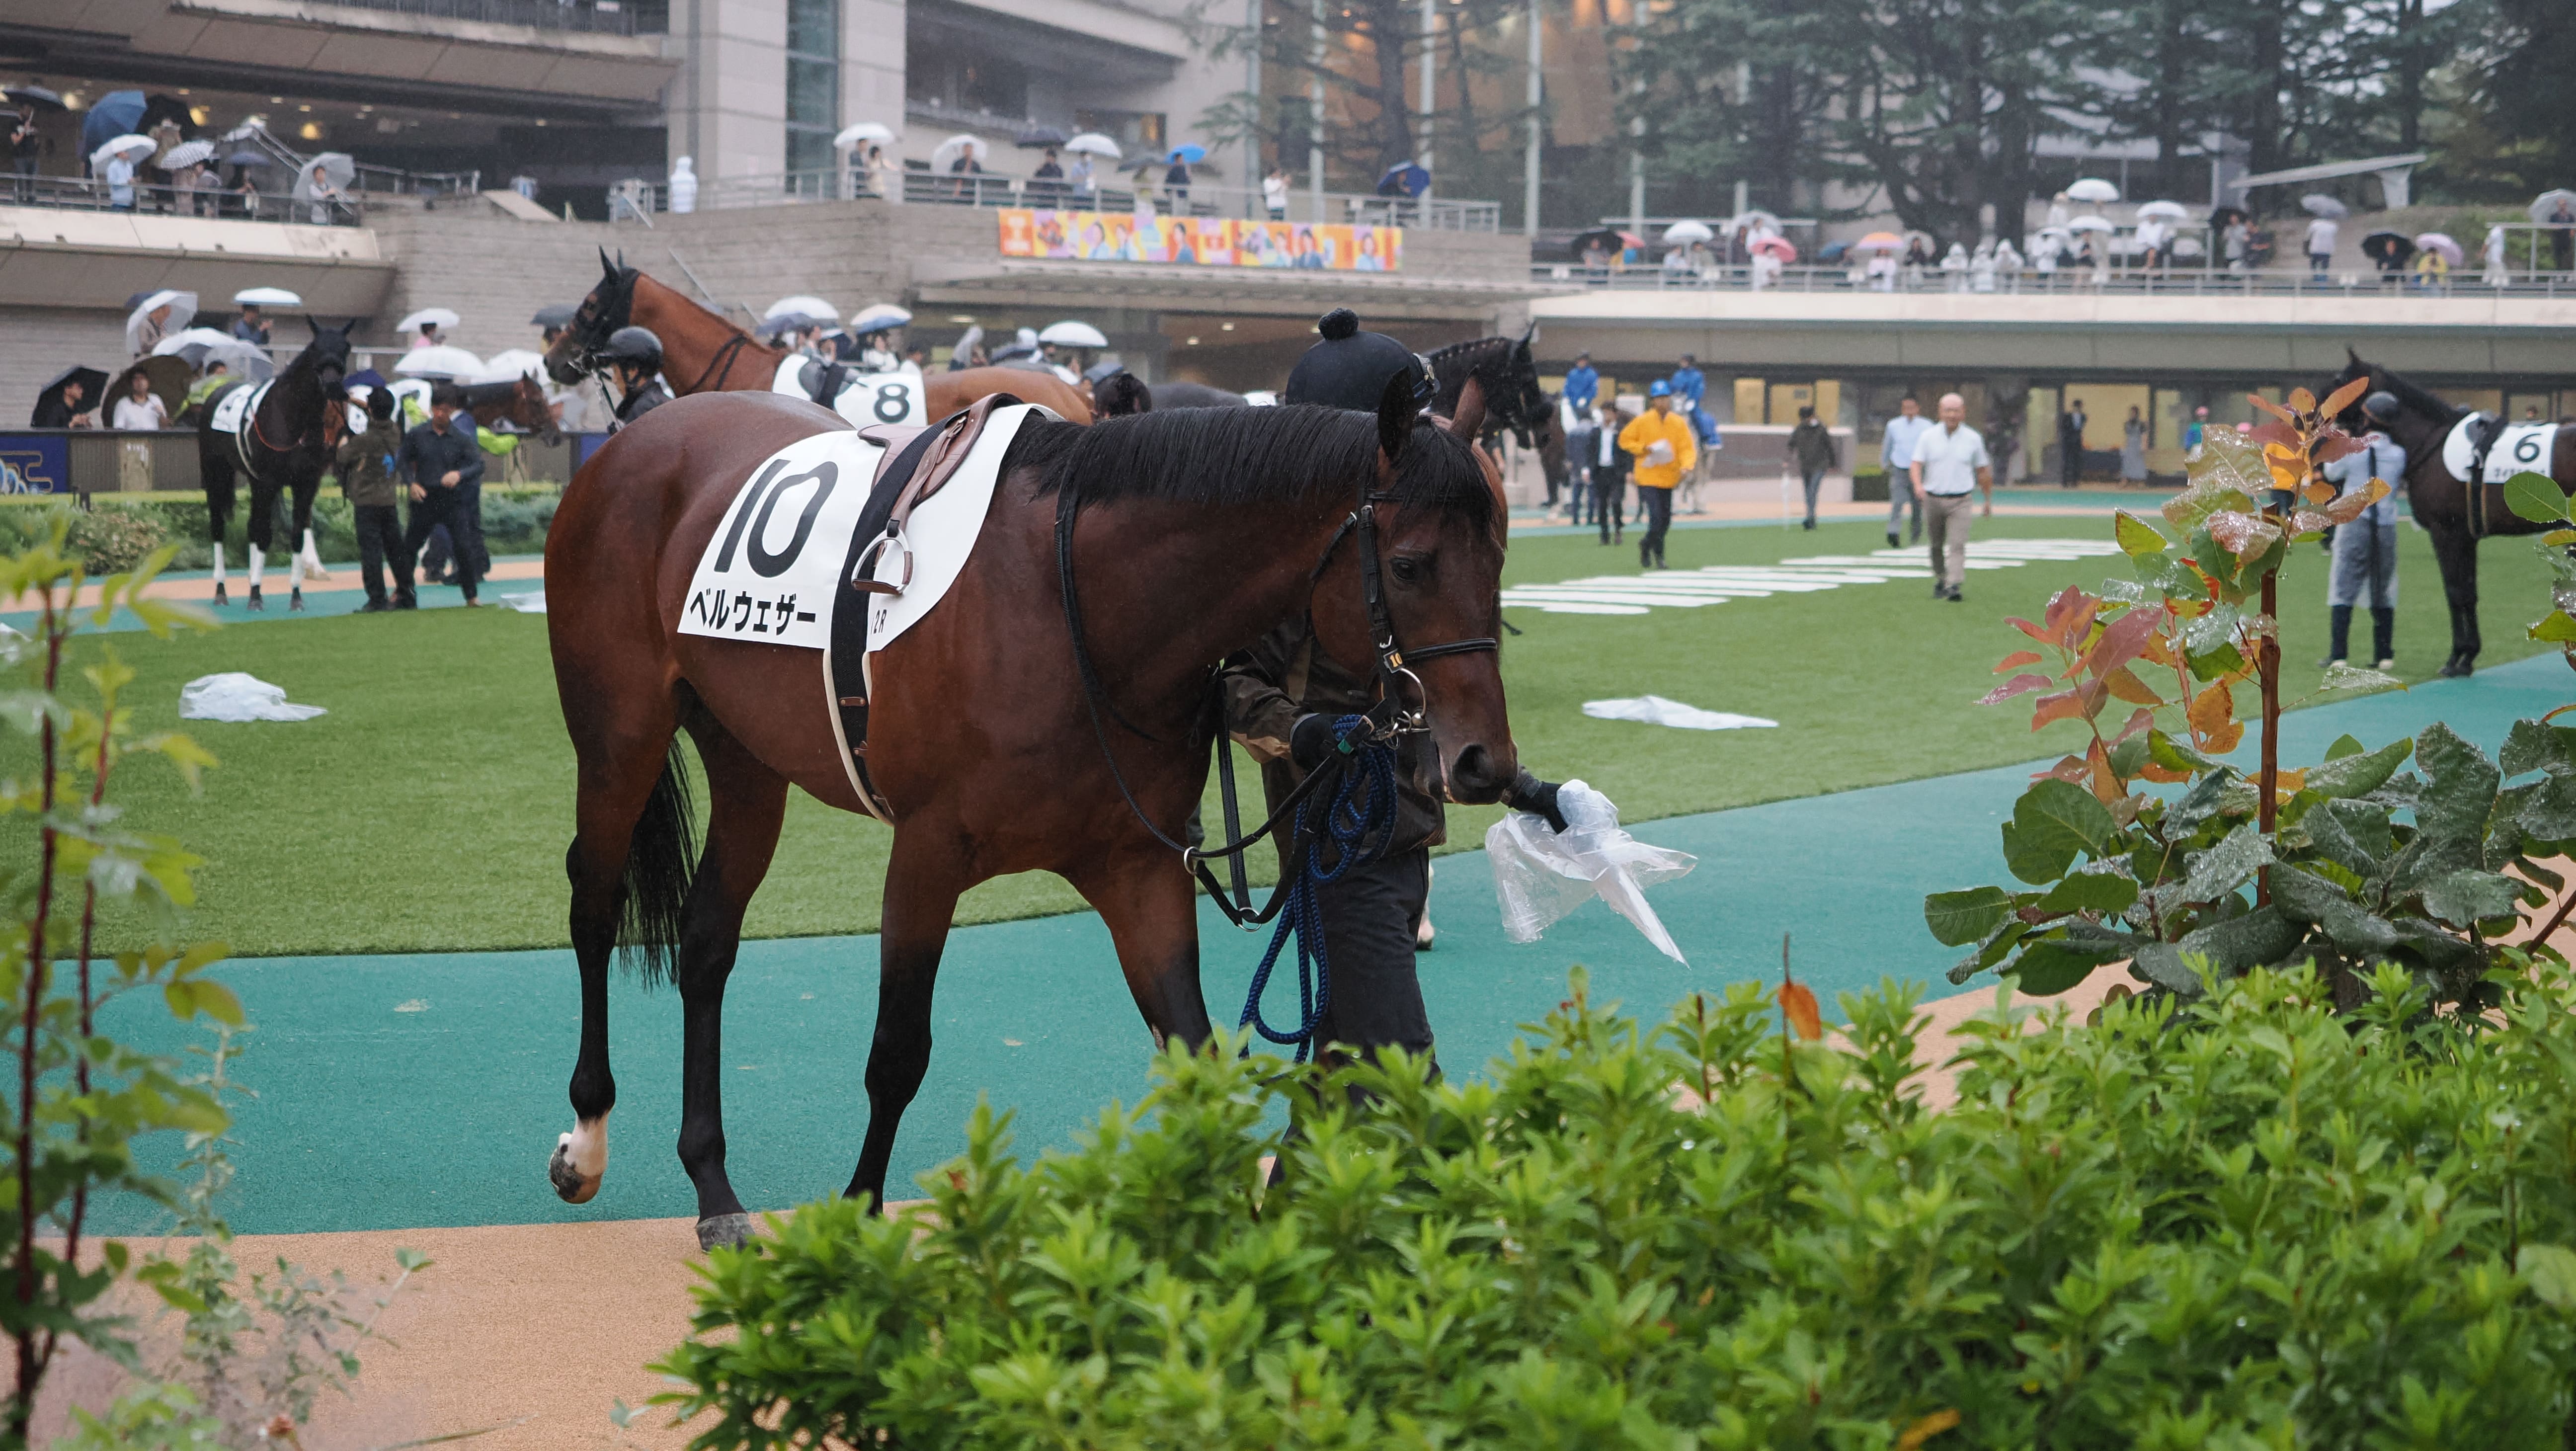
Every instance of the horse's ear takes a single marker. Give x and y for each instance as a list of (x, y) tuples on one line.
[(1528, 334), (1467, 420), (606, 267), (316, 327), (1396, 411)]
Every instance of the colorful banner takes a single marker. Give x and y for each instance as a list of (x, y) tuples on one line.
[(35, 463), (1201, 241)]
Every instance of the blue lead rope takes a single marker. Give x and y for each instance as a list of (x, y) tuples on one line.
[(1359, 822)]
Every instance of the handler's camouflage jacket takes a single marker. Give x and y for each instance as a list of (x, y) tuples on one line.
[(1288, 675)]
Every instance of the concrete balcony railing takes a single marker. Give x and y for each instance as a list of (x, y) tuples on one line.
[(597, 17), (641, 200), (2129, 282)]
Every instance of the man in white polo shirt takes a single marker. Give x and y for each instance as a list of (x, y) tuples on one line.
[(1949, 461)]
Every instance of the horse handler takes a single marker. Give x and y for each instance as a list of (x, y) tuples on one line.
[(2365, 550), (1281, 699)]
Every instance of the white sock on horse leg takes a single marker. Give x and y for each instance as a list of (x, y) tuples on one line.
[(310, 561), (219, 561), (258, 563)]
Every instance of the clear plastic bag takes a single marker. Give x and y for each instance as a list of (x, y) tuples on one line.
[(1540, 874), (235, 696)]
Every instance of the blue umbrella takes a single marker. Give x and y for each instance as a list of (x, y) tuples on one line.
[(114, 114), (364, 378), (1405, 179), (249, 158), (1832, 251), (1193, 154)]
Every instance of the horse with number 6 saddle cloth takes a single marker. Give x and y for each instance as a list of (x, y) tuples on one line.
[(842, 541)]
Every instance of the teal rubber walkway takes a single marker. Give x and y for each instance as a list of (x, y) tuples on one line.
[(426, 1090)]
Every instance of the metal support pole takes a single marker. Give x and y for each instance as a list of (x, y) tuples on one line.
[(1637, 141), (1315, 116), (1252, 172), (1536, 92), (1430, 93)]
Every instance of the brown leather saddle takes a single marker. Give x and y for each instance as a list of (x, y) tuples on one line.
[(918, 462)]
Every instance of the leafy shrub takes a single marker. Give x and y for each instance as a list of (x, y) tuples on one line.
[(514, 522), (2335, 877), (115, 541), (2238, 1221)]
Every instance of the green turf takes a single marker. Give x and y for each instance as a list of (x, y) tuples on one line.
[(430, 809)]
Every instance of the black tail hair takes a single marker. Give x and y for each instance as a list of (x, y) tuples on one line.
[(661, 862)]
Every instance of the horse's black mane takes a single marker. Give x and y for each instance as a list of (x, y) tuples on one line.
[(1453, 365), (1235, 456), (2414, 397)]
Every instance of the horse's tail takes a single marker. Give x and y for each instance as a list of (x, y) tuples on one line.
[(661, 861)]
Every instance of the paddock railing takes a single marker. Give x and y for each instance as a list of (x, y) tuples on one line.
[(2191, 282), (641, 200)]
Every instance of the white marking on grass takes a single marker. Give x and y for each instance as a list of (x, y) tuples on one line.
[(1624, 594)]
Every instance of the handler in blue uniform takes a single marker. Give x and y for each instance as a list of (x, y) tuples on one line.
[(2365, 550), (1281, 699)]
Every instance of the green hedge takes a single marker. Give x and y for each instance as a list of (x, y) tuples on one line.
[(2241, 1222), (118, 530)]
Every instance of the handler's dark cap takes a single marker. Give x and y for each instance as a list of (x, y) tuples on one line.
[(1350, 368)]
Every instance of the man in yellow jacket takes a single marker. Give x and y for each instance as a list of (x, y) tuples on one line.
[(1661, 441)]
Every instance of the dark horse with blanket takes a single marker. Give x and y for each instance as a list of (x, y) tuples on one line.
[(1182, 536), (2456, 514), (283, 441)]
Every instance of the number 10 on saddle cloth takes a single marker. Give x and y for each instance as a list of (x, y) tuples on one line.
[(773, 571)]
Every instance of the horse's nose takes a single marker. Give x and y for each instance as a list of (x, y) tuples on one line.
[(1476, 777)]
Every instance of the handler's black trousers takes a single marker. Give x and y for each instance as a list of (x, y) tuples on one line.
[(380, 543), (448, 507), (1657, 507), (1368, 943)]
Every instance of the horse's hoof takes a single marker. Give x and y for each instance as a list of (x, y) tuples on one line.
[(1422, 935), (295, 601), (220, 598), (577, 1181), (256, 603), (728, 1231)]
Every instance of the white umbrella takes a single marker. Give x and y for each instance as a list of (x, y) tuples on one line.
[(864, 131), (1755, 218), (182, 306), (187, 153), (2164, 211), (877, 317), (337, 167), (2548, 201), (2091, 223), (199, 345), (2318, 204), (802, 305), (440, 362), (1071, 334), (949, 150), (2093, 189), (1092, 143), (266, 297), (129, 146), (1683, 233), (509, 365), (430, 316)]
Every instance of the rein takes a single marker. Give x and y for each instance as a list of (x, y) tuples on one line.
[(725, 358), (1360, 818)]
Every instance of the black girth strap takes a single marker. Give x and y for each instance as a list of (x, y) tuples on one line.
[(848, 655)]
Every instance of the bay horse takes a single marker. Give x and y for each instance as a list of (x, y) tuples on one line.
[(1186, 535), (1507, 375), (284, 443), (519, 402), (2442, 502), (703, 353)]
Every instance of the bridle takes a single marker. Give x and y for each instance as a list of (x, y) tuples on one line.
[(594, 324), (323, 423), (1390, 716)]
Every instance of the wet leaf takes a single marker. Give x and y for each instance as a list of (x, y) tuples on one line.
[(1798, 1005), (1960, 918), (2302, 401), (2016, 660), (2534, 497), (2559, 627), (2268, 406), (2242, 533), (2340, 676), (2341, 400), (2550, 1270), (2136, 538), (2018, 685), (2348, 507), (2125, 685)]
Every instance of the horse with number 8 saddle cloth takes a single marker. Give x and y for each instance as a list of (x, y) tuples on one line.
[(842, 541), (897, 398)]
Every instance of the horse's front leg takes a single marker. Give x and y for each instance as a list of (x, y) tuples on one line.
[(2455, 551), (1151, 910), (308, 559), (925, 874)]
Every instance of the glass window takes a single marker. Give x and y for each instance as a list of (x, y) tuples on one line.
[(813, 82)]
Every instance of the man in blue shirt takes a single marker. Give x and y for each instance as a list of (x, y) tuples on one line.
[(1582, 385), (1896, 453)]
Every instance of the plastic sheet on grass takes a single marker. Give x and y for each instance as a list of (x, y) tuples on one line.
[(1655, 710), (235, 696), (533, 602), (1540, 874)]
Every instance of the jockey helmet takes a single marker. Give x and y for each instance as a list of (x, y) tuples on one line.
[(634, 345)]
